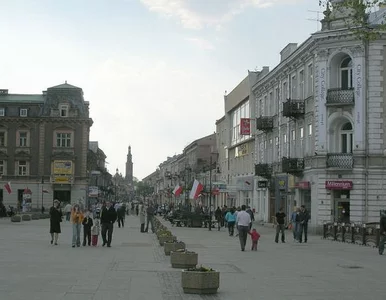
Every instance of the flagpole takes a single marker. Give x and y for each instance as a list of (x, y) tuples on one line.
[(210, 194)]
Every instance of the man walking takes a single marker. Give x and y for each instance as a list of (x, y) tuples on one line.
[(150, 217), (382, 231), (108, 218), (243, 220), (280, 220), (304, 217)]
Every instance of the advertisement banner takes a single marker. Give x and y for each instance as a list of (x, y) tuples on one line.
[(339, 185), (93, 191), (63, 167), (245, 126)]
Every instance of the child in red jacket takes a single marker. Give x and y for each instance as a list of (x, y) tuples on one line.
[(255, 238)]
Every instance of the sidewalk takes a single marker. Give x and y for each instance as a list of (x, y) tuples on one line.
[(135, 268)]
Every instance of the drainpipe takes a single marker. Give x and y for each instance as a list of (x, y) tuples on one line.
[(367, 132)]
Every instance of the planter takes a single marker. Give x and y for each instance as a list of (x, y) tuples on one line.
[(183, 260), (35, 217), (198, 282), (173, 246), (15, 219), (163, 239), (26, 217)]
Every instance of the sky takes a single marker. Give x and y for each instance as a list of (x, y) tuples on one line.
[(154, 71)]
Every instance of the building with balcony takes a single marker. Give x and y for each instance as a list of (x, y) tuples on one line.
[(320, 135), (44, 141)]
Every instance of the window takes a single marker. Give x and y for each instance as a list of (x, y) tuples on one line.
[(310, 80), (242, 111), (346, 73), (22, 168), (63, 140), (293, 135), (266, 106), (309, 129), (346, 137), (285, 138), (276, 141), (272, 103), (64, 110), (23, 112), (293, 87), (23, 138), (2, 139), (277, 102), (285, 91), (226, 153), (2, 167), (2, 112), (301, 85), (301, 132)]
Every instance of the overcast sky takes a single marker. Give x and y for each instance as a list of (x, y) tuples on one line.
[(154, 71)]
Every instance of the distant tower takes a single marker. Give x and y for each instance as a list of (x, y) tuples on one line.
[(129, 169)]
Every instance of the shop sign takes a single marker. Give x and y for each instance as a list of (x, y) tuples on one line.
[(303, 185), (93, 191), (245, 126), (338, 185), (262, 184), (242, 150), (62, 179), (63, 167)]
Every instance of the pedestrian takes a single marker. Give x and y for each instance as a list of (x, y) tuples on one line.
[(67, 211), (121, 211), (255, 236), (303, 219), (150, 217), (382, 230), (249, 210), (95, 229), (243, 220), (142, 214), (280, 220), (55, 219), (76, 219), (87, 225), (137, 209), (295, 223), (230, 219), (108, 218)]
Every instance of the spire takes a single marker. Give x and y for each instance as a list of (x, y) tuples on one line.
[(129, 149)]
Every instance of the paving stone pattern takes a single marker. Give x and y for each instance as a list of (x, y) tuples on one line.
[(136, 268)]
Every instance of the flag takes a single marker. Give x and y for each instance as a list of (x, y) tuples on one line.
[(177, 190), (8, 187), (45, 191), (196, 189)]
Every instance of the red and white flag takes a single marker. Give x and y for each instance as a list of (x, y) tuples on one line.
[(196, 189), (177, 190), (8, 187)]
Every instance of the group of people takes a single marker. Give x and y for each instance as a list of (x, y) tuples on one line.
[(102, 222)]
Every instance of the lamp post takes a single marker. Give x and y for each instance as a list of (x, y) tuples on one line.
[(210, 194), (42, 193), (116, 184)]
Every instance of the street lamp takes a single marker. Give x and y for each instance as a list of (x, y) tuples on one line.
[(42, 192), (116, 183)]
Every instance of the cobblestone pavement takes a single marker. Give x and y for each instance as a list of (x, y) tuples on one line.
[(135, 268)]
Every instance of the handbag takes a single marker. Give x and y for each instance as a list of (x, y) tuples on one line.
[(289, 226)]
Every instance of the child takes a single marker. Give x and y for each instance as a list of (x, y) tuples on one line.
[(87, 225), (255, 238), (95, 231)]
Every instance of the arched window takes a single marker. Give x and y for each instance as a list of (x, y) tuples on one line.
[(346, 138), (346, 73)]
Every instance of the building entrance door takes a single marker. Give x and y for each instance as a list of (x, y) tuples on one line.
[(63, 196)]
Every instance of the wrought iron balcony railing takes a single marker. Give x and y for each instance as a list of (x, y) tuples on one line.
[(263, 170), (340, 160), (293, 166), (293, 108), (264, 123), (340, 96)]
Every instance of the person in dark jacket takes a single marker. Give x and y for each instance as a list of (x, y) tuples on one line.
[(87, 224), (382, 231), (121, 215), (55, 219), (108, 218), (150, 217), (303, 219)]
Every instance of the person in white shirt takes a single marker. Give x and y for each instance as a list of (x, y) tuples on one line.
[(243, 220)]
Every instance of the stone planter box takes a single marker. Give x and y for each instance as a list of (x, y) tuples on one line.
[(195, 282), (35, 217), (26, 217), (15, 219), (183, 260), (168, 247), (163, 239)]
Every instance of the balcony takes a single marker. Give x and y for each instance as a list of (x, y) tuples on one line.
[(340, 97), (263, 170), (264, 123), (294, 166), (340, 160), (293, 108)]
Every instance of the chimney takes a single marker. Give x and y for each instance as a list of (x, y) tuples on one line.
[(288, 50), (3, 92)]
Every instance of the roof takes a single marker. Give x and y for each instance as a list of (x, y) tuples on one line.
[(65, 85), (24, 98)]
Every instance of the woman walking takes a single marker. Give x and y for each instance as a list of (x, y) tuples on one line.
[(55, 219), (77, 219), (141, 211)]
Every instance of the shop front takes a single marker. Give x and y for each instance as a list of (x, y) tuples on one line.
[(304, 190), (340, 196), (62, 179)]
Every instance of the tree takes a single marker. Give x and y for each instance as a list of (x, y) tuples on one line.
[(143, 189), (357, 19)]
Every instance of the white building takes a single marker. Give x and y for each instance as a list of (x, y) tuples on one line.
[(320, 118)]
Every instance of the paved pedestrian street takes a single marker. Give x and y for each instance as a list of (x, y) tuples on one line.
[(135, 267)]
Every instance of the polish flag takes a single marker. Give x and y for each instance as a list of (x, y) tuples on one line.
[(8, 187), (196, 189), (177, 190)]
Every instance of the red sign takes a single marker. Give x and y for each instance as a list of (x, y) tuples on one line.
[(338, 185), (303, 185), (245, 126)]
